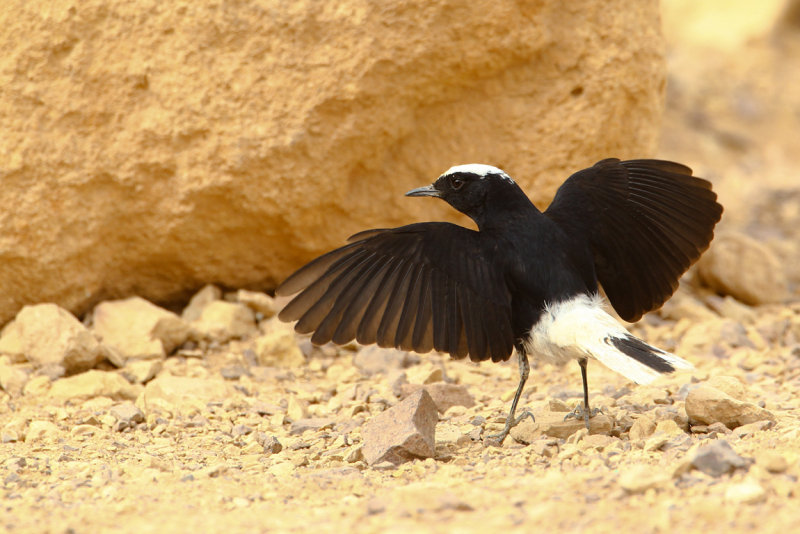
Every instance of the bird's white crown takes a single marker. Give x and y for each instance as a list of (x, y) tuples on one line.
[(480, 170)]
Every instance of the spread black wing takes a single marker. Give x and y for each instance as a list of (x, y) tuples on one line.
[(419, 287), (647, 221)]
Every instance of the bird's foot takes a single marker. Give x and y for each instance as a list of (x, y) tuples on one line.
[(511, 422), (580, 413)]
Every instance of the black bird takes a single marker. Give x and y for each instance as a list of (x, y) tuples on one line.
[(527, 279)]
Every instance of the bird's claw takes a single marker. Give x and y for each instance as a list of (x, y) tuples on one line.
[(580, 413), (510, 423)]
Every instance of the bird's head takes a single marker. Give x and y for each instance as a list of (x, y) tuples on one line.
[(467, 188)]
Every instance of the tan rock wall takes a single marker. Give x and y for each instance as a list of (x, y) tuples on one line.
[(149, 147)]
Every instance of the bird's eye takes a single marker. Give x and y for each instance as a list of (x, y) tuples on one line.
[(456, 183)]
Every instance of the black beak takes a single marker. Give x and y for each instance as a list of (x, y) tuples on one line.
[(427, 191)]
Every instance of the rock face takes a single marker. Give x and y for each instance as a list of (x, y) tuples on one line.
[(150, 148)]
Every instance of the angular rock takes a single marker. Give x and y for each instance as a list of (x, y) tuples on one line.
[(51, 336), (41, 430), (296, 409), (94, 384), (127, 414), (141, 371), (718, 458), (270, 443), (277, 346), (199, 300), (12, 377), (178, 394), (151, 206), (707, 405), (444, 395), (403, 432), (642, 428), (222, 321), (740, 266), (372, 360), (558, 405), (137, 329), (257, 301)]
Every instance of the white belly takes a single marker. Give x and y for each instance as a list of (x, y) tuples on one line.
[(581, 328)]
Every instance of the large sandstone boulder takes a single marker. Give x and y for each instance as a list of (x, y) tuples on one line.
[(150, 147)]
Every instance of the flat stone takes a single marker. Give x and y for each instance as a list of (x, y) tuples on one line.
[(403, 432), (51, 336), (597, 442), (747, 492), (311, 423), (277, 346), (178, 394), (554, 425), (708, 405), (222, 321), (752, 428), (94, 383), (137, 329), (718, 458)]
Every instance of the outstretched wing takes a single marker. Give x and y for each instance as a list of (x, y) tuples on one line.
[(647, 221), (419, 287)]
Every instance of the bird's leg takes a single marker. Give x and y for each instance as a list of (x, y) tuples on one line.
[(511, 422), (583, 411)]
